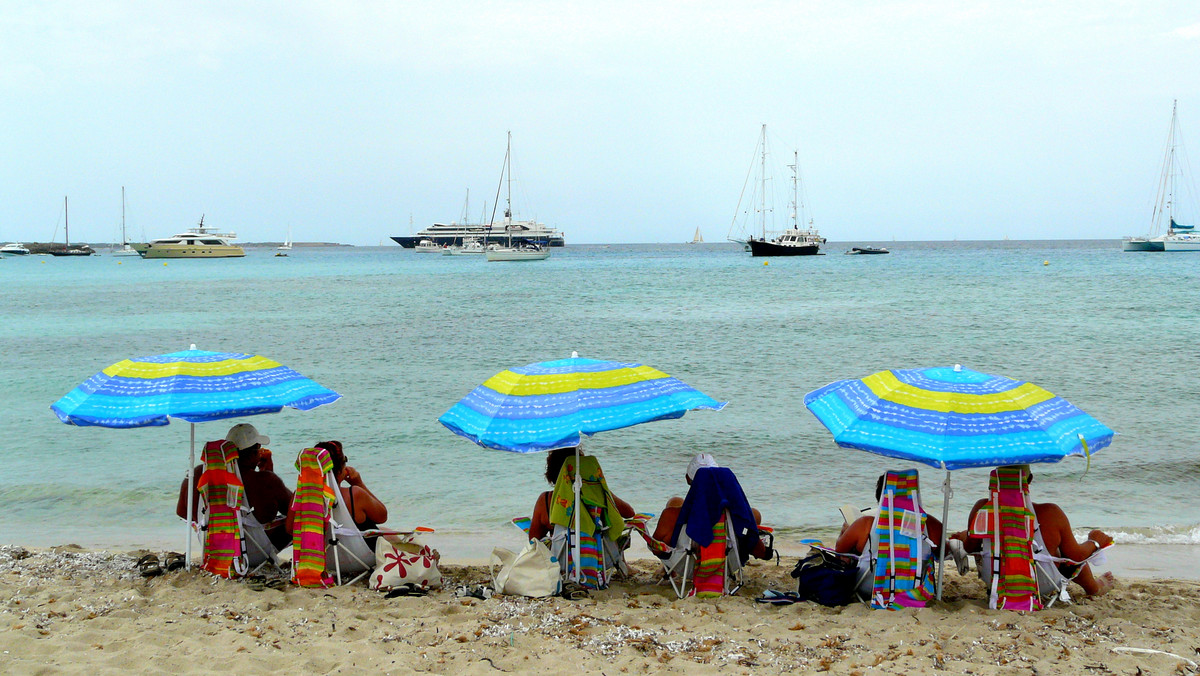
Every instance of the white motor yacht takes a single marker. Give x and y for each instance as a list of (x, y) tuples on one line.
[(14, 249), (198, 242)]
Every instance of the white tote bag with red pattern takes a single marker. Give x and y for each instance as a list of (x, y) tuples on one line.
[(400, 561)]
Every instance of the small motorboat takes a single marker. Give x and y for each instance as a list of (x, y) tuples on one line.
[(867, 250)]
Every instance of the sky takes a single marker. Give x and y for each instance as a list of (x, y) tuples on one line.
[(631, 121)]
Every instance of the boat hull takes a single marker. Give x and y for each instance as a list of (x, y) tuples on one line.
[(410, 241), (1141, 244), (759, 247), (1182, 243), (517, 254), (191, 251)]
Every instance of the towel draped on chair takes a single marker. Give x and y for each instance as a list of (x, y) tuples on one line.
[(311, 506), (222, 492)]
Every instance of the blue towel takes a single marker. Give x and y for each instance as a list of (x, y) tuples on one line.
[(715, 490)]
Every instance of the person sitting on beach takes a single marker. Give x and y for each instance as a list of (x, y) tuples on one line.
[(266, 493), (540, 525), (367, 510), (856, 536), (1055, 529), (665, 530)]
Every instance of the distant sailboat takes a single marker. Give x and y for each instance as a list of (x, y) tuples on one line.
[(697, 238), (281, 251), (1179, 237), (125, 249), (523, 250), (68, 251)]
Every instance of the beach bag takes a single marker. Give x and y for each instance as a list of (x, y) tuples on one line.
[(401, 561), (530, 572), (823, 577)]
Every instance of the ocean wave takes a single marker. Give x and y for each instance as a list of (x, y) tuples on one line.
[(1155, 535)]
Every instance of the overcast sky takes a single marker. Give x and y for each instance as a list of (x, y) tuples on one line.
[(631, 121)]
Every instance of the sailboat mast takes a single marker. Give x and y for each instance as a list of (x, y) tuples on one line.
[(508, 198), (124, 239), (1171, 170), (795, 189), (763, 189), (66, 224)]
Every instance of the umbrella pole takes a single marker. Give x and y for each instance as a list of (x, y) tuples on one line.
[(191, 488), (578, 533), (946, 495)]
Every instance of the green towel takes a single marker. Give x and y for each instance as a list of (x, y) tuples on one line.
[(594, 492)]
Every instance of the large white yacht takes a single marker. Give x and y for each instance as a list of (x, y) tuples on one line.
[(14, 249), (456, 234), (198, 242)]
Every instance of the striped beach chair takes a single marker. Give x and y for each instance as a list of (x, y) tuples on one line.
[(601, 525), (222, 491), (900, 557), (311, 506)]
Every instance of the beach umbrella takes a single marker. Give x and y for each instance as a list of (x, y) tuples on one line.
[(952, 418), (552, 404), (193, 386)]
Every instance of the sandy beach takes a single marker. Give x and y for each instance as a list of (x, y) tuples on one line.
[(70, 610)]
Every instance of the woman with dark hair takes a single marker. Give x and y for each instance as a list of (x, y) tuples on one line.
[(540, 525), (368, 512)]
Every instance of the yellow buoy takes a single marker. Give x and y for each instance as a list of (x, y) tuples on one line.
[(164, 265), (766, 262), (1045, 262)]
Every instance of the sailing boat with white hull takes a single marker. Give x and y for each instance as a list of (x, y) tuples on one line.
[(1179, 237), (125, 249), (524, 250)]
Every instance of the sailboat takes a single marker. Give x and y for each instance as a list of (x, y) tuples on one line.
[(125, 249), (793, 241), (523, 250), (1179, 237), (697, 238), (85, 250), (282, 250)]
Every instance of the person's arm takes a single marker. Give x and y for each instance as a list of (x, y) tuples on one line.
[(623, 508), (854, 539), (539, 522), (364, 500)]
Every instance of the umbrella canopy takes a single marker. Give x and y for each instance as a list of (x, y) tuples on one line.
[(550, 404), (954, 418), (192, 385)]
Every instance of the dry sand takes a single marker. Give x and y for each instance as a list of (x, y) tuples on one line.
[(72, 610)]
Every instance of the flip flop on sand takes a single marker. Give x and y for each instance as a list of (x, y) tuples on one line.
[(174, 561), (406, 590), (148, 566), (778, 598), (573, 591)]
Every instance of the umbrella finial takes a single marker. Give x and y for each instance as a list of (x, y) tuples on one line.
[(574, 354), (957, 367)]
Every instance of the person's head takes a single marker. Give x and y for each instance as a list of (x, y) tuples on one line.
[(248, 442), (700, 460), (555, 460), (336, 455)]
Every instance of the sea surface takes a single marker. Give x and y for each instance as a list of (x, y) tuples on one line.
[(402, 336)]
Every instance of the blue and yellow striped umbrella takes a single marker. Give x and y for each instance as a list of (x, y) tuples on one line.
[(192, 385), (549, 404), (953, 418)]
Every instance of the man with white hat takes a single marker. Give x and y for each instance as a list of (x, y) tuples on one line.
[(268, 496), (665, 529)]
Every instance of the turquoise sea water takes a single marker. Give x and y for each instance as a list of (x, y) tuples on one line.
[(403, 336)]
